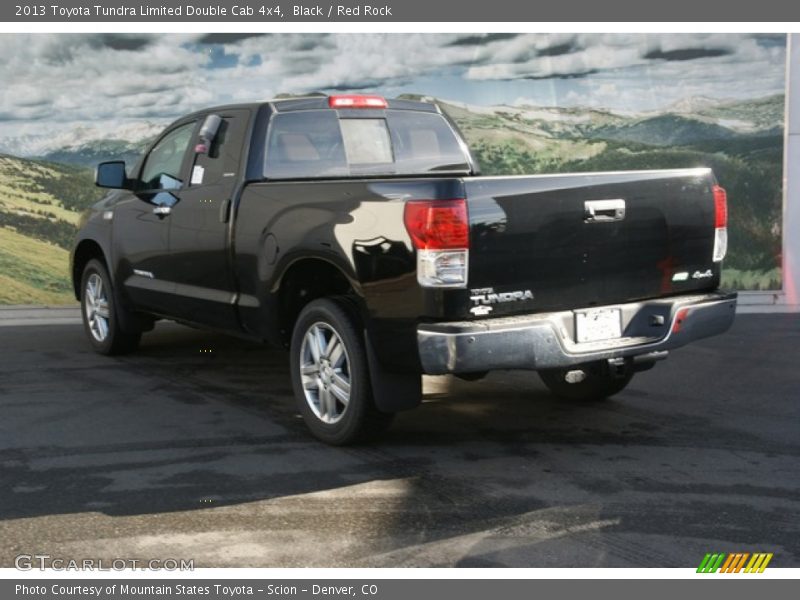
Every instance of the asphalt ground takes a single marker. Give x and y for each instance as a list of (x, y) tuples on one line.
[(192, 448)]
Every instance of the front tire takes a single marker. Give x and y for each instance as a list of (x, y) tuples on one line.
[(330, 375), (585, 383), (101, 315)]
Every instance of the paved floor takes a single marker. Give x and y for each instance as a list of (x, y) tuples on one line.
[(179, 453)]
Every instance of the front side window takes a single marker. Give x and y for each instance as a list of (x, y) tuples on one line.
[(162, 168)]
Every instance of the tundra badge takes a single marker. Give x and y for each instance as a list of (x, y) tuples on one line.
[(486, 296)]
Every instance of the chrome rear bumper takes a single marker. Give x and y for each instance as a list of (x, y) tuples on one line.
[(547, 340)]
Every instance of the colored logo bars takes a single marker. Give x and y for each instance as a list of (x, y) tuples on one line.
[(735, 562)]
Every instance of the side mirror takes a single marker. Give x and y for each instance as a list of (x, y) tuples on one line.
[(111, 175), (210, 127), (208, 131)]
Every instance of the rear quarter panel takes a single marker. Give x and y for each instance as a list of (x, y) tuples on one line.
[(356, 225)]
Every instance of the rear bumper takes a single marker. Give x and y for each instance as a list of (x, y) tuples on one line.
[(547, 340)]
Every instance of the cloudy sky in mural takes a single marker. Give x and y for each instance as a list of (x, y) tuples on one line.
[(61, 80)]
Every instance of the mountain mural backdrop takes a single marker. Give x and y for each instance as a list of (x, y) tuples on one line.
[(619, 122)]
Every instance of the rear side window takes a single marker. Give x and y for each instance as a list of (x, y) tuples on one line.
[(305, 144), (319, 144), (425, 142)]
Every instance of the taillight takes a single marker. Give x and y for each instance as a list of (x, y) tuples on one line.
[(439, 230), (720, 223), (357, 101), (437, 224), (720, 207)]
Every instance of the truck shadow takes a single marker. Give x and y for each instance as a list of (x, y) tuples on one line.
[(196, 421), (195, 418)]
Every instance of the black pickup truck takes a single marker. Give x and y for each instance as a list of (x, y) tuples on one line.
[(356, 232)]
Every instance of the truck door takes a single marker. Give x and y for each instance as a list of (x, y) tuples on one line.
[(141, 221), (199, 251)]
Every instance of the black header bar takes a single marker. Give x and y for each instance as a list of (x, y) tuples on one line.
[(388, 11)]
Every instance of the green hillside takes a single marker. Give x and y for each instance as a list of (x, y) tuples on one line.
[(32, 271), (763, 113), (664, 130), (40, 203)]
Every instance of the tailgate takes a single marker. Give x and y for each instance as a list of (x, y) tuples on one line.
[(555, 242)]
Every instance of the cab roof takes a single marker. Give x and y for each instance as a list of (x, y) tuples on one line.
[(321, 102), (314, 103)]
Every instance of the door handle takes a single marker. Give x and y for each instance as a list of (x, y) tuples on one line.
[(603, 211), (162, 211), (224, 210)]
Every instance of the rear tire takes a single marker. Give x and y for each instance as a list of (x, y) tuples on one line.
[(598, 383), (101, 313), (330, 376)]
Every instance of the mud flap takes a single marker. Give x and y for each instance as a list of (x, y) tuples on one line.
[(130, 321), (393, 392)]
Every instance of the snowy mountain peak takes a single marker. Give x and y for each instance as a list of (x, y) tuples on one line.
[(79, 136), (693, 105)]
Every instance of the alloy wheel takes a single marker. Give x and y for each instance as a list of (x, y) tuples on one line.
[(325, 372), (96, 307)]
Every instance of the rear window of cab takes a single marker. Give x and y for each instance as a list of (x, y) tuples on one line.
[(318, 144)]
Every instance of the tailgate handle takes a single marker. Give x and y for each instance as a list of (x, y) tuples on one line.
[(603, 211)]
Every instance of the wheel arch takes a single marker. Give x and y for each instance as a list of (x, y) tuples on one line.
[(308, 278), (392, 391), (86, 250)]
